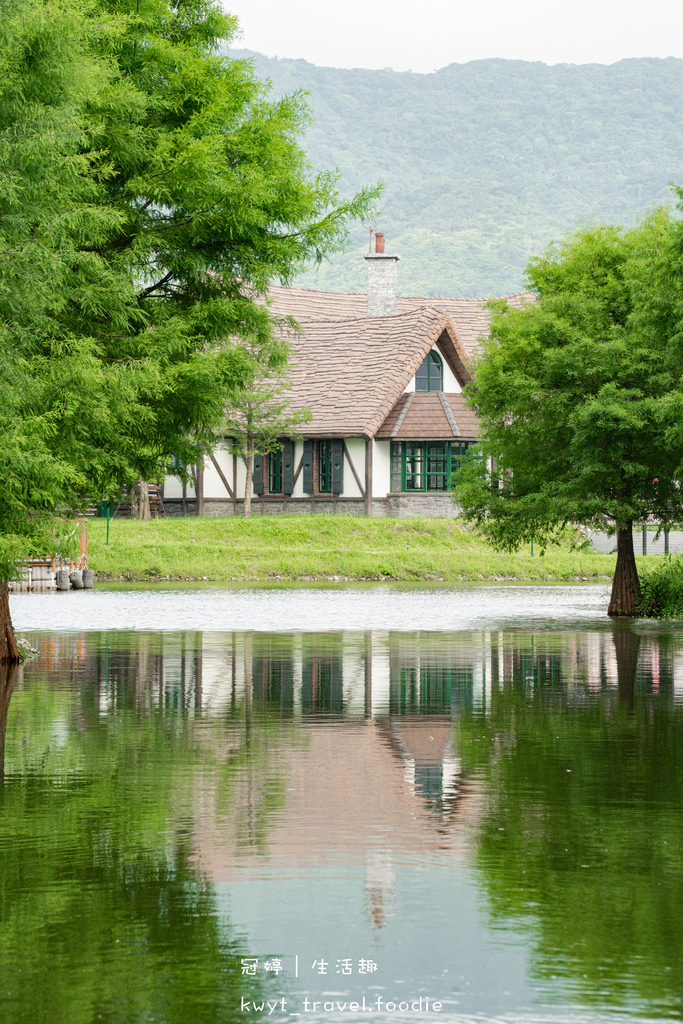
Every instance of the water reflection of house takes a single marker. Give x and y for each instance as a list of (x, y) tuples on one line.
[(373, 777), (364, 791), (349, 674), (338, 746)]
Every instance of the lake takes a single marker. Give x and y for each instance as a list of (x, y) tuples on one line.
[(341, 804)]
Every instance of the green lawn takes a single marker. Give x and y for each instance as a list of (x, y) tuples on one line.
[(319, 548)]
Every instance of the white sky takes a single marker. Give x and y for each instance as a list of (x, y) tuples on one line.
[(424, 35)]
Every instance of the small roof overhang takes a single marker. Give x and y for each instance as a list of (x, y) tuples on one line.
[(429, 415)]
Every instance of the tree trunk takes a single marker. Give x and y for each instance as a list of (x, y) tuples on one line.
[(145, 512), (627, 647), (626, 585), (249, 463), (142, 510), (9, 652)]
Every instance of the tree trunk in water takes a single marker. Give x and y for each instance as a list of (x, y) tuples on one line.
[(8, 674), (249, 463), (626, 585), (9, 652), (627, 646)]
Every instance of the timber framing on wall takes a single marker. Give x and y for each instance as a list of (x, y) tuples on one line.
[(368, 475), (353, 470), (224, 479)]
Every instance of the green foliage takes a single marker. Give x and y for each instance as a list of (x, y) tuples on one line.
[(259, 414), (485, 163), (662, 589), (578, 395), (149, 192)]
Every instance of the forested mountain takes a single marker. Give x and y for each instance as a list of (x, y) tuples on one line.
[(484, 163)]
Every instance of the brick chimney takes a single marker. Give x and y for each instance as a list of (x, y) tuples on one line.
[(382, 280)]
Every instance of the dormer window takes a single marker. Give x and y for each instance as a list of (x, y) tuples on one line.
[(429, 376)]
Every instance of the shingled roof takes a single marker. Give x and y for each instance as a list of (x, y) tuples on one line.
[(469, 316), (350, 373), (429, 415)]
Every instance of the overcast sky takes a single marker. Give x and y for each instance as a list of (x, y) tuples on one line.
[(424, 35)]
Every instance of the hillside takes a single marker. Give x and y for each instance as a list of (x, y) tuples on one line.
[(484, 163)]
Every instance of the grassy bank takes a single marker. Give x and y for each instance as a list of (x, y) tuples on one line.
[(321, 548)]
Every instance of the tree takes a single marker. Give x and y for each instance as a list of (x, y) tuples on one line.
[(579, 398), (149, 194), (260, 415), (55, 390)]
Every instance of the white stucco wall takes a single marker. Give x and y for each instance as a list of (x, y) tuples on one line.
[(298, 491), (173, 488), (356, 450), (241, 477), (213, 485), (450, 384), (381, 469)]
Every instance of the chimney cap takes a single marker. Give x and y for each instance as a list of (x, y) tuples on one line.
[(379, 253)]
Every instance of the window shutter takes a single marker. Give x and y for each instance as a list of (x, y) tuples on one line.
[(337, 467), (287, 467), (258, 474), (308, 467)]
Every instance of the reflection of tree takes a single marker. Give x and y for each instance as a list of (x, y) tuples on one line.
[(583, 838), (102, 918), (8, 674), (627, 647), (123, 937)]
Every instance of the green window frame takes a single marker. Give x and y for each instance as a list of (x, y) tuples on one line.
[(429, 375), (275, 472), (413, 467), (425, 465), (324, 467)]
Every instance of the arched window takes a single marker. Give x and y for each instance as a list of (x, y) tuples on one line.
[(429, 376)]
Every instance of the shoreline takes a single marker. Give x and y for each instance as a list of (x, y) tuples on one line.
[(596, 580), (326, 549)]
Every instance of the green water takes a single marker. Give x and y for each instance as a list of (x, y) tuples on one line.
[(196, 825)]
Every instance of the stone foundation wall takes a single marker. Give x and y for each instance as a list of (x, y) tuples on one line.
[(428, 506), (174, 507), (274, 507)]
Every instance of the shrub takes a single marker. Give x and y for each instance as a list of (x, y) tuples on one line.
[(662, 590)]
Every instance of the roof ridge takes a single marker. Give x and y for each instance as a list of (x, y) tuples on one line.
[(461, 298), (416, 311), (414, 298)]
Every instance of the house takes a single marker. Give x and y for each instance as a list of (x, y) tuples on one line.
[(383, 377)]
